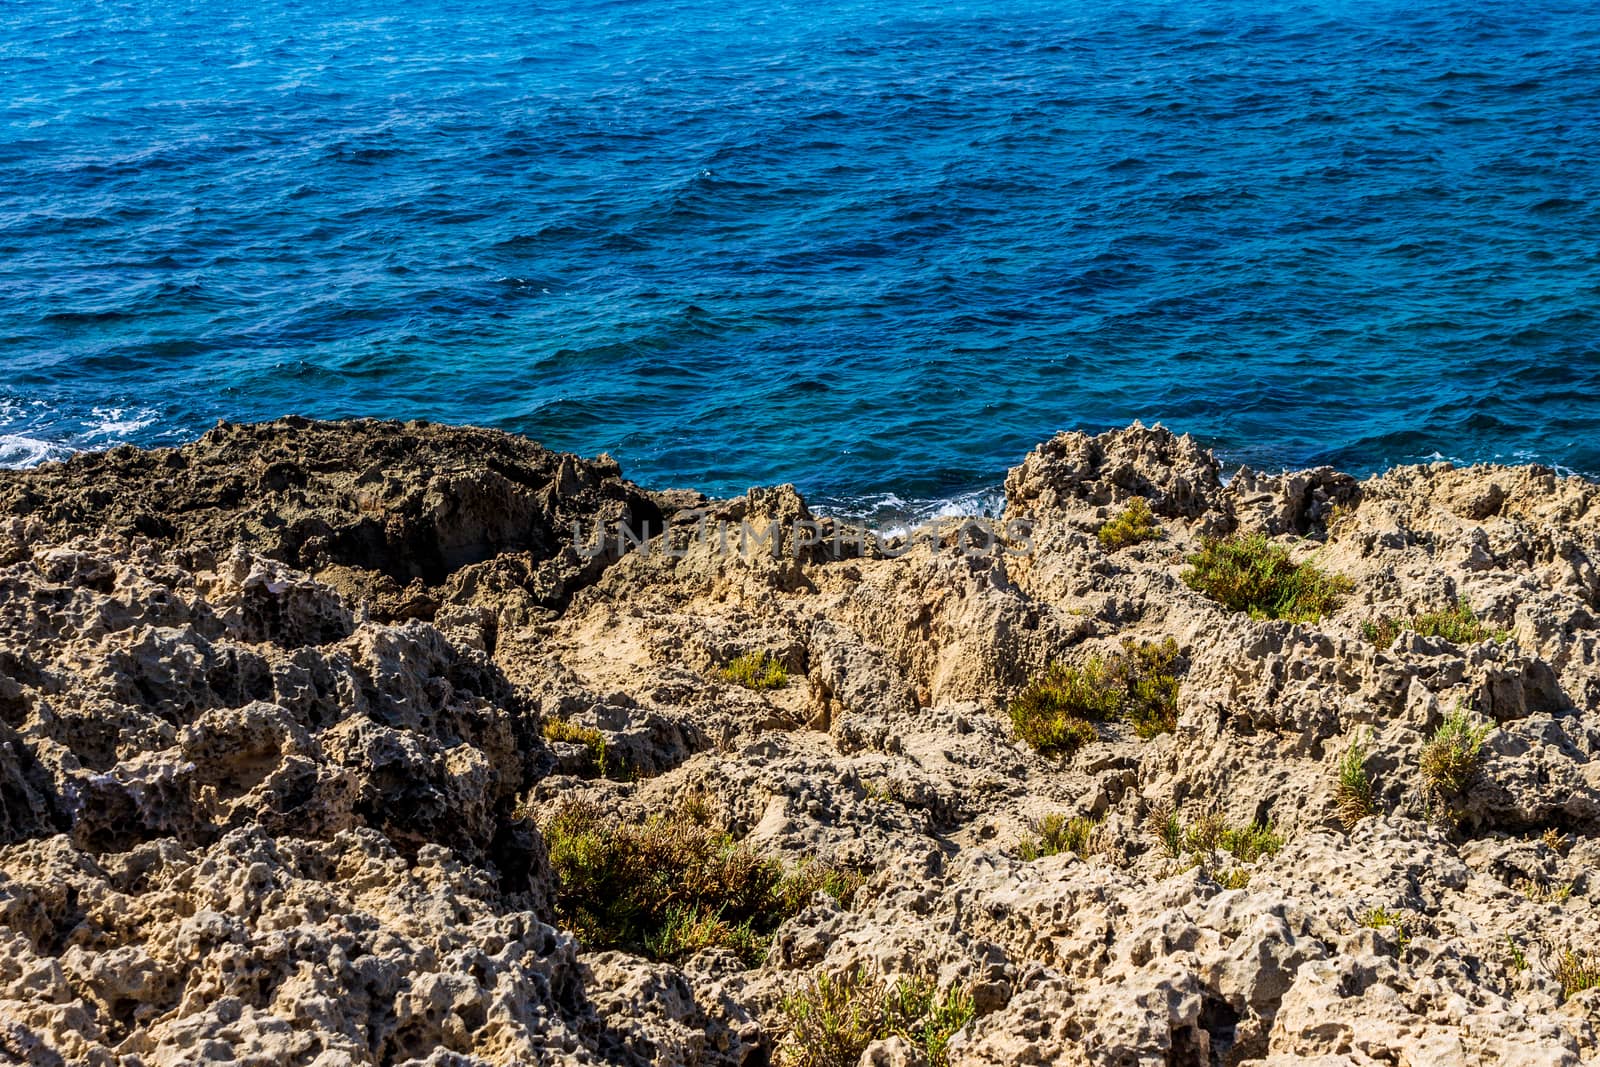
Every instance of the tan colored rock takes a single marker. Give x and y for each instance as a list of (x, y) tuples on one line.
[(271, 712)]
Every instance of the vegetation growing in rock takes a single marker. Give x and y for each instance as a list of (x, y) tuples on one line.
[(1354, 794), (833, 1019), (587, 736), (1453, 756), (1133, 525), (1249, 843), (1459, 625), (1205, 841), (755, 670), (1235, 878), (1253, 574), (673, 885), (1052, 734), (1384, 919), (1058, 833), (1576, 971), (1543, 893), (1056, 711)]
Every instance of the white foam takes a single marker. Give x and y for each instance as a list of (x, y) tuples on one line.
[(117, 423), (19, 451), (894, 516)]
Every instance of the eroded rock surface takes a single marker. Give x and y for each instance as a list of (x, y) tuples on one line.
[(272, 759)]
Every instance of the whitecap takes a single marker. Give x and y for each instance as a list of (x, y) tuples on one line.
[(117, 423), (18, 451)]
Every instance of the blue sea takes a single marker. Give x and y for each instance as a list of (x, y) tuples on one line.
[(876, 249)]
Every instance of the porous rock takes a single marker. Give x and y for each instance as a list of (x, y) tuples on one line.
[(272, 762)]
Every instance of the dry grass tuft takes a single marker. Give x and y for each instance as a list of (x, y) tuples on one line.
[(1354, 792), (1079, 835), (1452, 758)]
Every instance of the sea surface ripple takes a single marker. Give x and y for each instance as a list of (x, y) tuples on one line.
[(876, 249)]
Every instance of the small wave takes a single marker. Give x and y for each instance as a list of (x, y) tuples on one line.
[(17, 451), (34, 431), (117, 423), (893, 515)]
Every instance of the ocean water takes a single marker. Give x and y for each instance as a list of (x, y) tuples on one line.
[(876, 249)]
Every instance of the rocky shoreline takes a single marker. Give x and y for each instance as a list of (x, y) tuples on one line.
[(296, 722)]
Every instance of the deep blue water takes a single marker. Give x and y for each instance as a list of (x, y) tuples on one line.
[(871, 248)]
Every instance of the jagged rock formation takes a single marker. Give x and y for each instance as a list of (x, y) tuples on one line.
[(271, 758)]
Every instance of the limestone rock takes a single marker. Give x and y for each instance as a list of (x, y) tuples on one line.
[(272, 760)]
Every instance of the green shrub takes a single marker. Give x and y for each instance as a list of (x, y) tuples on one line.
[(1519, 958), (670, 886), (1254, 575), (755, 670), (1131, 526), (1249, 843), (1543, 893), (1079, 835), (833, 1019), (1459, 626), (928, 1020), (1149, 686), (1354, 795), (686, 930), (1236, 878), (1381, 631), (1384, 919), (1170, 831), (587, 736), (1453, 756), (1053, 734), (1576, 971), (1211, 834), (1055, 712)]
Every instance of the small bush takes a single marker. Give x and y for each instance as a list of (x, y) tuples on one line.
[(1079, 835), (1519, 958), (755, 670), (1541, 893), (1249, 843), (1211, 834), (1055, 712), (670, 886), (587, 736), (1554, 840), (1053, 735), (1254, 575), (833, 1019), (1452, 757), (1576, 971), (1150, 686), (928, 1020), (1382, 919), (1168, 828), (1133, 525), (687, 930), (1237, 878), (1459, 626), (1353, 794)]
